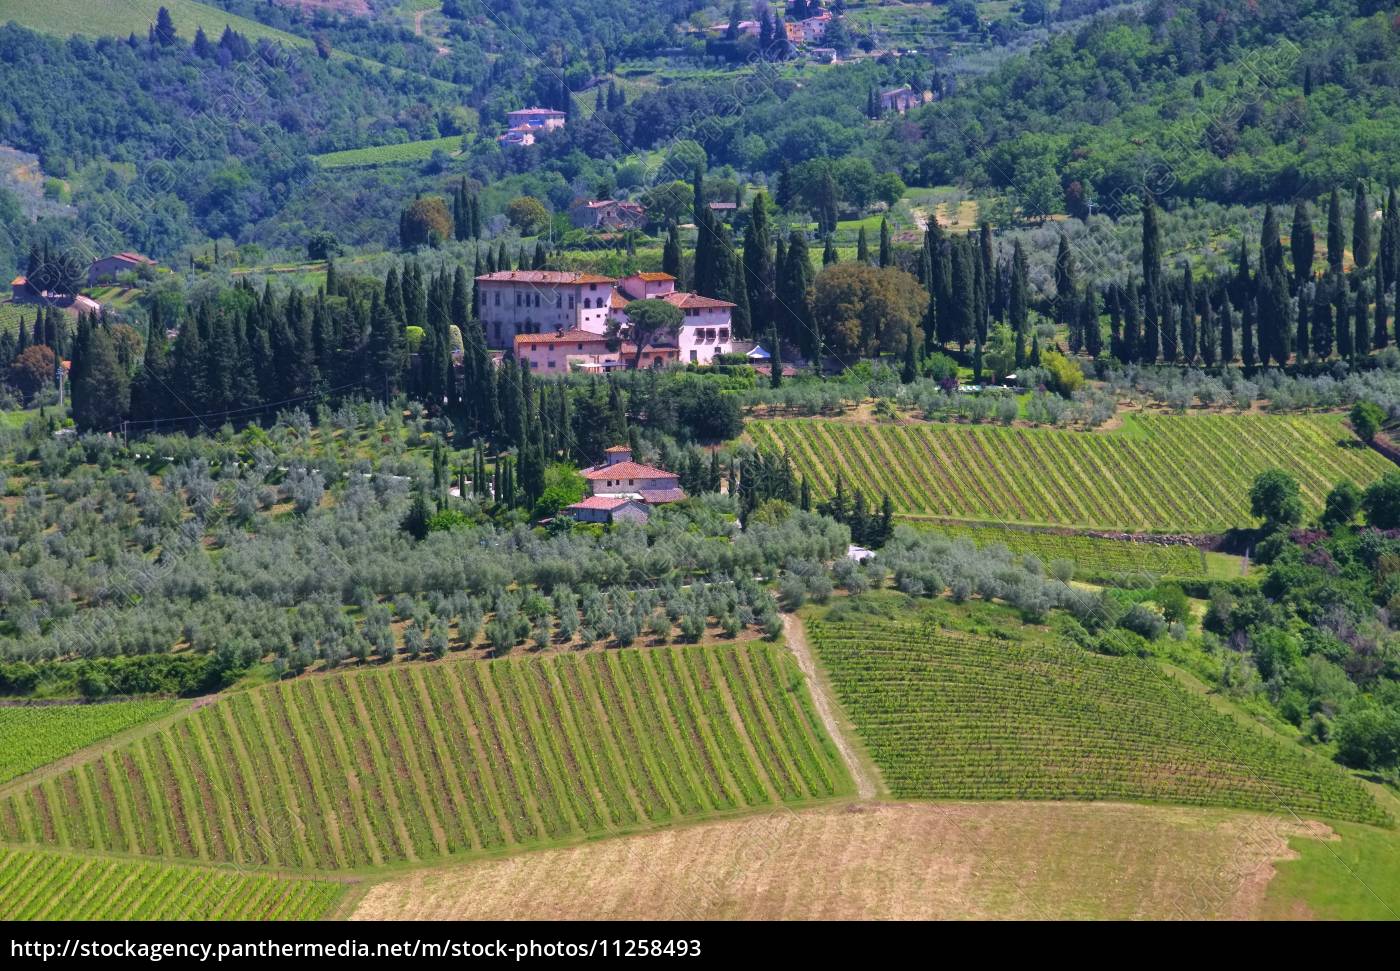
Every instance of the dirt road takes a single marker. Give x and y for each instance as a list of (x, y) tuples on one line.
[(861, 772)]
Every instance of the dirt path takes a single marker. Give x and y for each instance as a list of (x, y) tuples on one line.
[(795, 635)]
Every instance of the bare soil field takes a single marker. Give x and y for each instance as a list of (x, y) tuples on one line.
[(886, 861)]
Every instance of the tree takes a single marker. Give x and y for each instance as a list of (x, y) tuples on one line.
[(33, 370), (1336, 245), (758, 268), (647, 322), (671, 254), (775, 363), (886, 245), (426, 222), (322, 246), (864, 310), (1381, 502), (1342, 505), (527, 214), (101, 386), (1367, 417), (1274, 497), (1303, 244), (1361, 228), (1065, 284)]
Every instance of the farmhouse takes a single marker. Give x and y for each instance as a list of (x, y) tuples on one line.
[(557, 305), (899, 99), (622, 489), (108, 267), (511, 302), (607, 214), (20, 290), (559, 352)]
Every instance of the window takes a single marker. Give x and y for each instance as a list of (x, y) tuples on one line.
[(551, 362), (517, 298), (498, 298), (694, 355), (587, 303), (558, 300), (723, 334), (571, 301)]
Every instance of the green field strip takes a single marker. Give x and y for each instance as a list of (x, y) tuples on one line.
[(546, 776), (596, 803), (770, 671), (485, 817), (720, 708), (157, 786), (718, 729), (223, 826), (583, 804), (525, 766), (679, 769), (615, 732), (290, 721), (288, 778), (391, 788), (652, 685), (403, 756), (234, 783), (685, 710), (634, 741), (526, 824), (351, 806), (461, 714), (254, 777), (415, 711), (782, 776), (189, 812), (390, 838), (624, 805)]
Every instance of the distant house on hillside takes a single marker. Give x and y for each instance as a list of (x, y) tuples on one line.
[(607, 214), (108, 267), (537, 119), (622, 489), (21, 291), (899, 99)]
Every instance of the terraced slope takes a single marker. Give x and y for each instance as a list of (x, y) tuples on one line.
[(425, 761), (55, 886), (948, 717), (1157, 473)]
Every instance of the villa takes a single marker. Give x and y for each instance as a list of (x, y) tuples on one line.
[(621, 489)]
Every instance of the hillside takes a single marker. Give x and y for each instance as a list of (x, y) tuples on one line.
[(417, 763), (947, 716), (1156, 473)]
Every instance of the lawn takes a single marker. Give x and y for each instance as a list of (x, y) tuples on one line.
[(419, 151), (118, 18), (1356, 877)]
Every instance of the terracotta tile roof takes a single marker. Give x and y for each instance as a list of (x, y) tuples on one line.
[(611, 449), (626, 470), (693, 301), (574, 335), (601, 502), (19, 281), (617, 301), (655, 496), (543, 276), (136, 258), (654, 277)]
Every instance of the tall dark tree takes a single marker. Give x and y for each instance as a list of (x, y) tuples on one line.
[(1336, 238), (1380, 334), (1303, 243), (1065, 281), (1361, 228), (886, 245), (759, 271)]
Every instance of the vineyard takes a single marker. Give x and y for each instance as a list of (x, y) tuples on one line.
[(948, 717), (1157, 473), (1096, 558), (419, 151), (425, 761), (32, 736), (54, 886)]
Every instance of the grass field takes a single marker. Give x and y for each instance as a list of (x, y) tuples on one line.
[(32, 736), (953, 717), (1155, 473), (1022, 860), (56, 886), (1354, 878), (419, 151), (118, 18), (417, 763), (1097, 558)]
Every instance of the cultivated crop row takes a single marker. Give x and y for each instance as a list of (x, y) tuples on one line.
[(1159, 472), (53, 886), (422, 762), (949, 717), (34, 735), (1095, 558)]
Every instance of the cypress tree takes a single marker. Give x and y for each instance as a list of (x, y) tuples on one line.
[(1341, 315), (1065, 281), (1336, 245), (758, 265), (1020, 291), (1380, 335), (775, 363), (862, 247), (1132, 328), (741, 317), (886, 245), (1247, 333), (1322, 333), (671, 254), (1390, 241), (1361, 229), (1303, 243), (1207, 340), (1089, 326), (829, 255), (1303, 338), (1361, 322), (1227, 329)]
